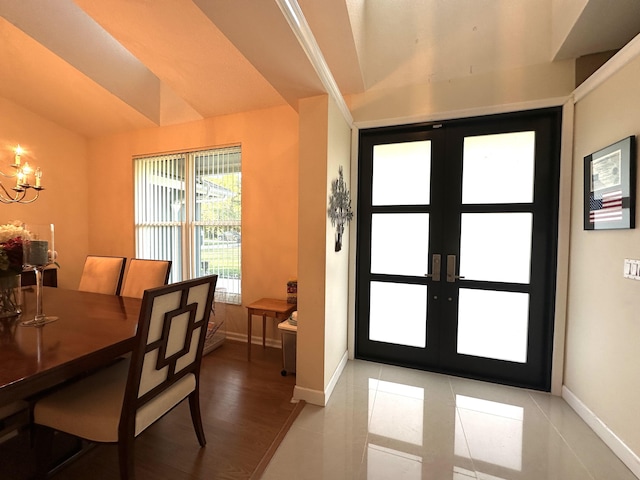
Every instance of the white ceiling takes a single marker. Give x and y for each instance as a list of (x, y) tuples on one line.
[(103, 66)]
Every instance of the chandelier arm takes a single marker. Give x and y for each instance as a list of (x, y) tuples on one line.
[(7, 197), (26, 202), (19, 196)]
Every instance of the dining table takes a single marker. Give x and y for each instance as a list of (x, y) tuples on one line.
[(90, 330)]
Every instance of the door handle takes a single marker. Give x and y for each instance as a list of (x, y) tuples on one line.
[(451, 269), (435, 268)]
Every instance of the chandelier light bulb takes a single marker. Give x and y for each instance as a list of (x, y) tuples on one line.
[(18, 152), (24, 191)]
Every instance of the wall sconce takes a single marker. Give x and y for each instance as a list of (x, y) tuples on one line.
[(27, 187), (339, 210)]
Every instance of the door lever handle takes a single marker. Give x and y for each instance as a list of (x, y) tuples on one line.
[(435, 268), (451, 269)]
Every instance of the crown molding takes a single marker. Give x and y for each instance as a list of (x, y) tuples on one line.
[(298, 23)]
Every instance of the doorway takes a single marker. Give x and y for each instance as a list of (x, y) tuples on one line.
[(457, 237)]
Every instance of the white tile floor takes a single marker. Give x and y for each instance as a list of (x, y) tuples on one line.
[(386, 422)]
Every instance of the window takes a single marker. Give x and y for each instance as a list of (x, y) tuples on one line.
[(188, 210)]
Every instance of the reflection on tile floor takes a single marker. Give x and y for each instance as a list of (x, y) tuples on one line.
[(385, 422)]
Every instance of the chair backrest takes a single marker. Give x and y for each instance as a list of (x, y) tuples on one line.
[(165, 363), (102, 274), (144, 274)]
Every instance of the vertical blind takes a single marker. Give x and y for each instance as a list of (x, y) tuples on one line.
[(188, 210)]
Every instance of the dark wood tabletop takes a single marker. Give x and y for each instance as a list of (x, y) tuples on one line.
[(92, 329)]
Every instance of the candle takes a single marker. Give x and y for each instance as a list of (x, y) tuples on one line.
[(53, 245), (17, 157), (38, 254), (26, 171), (38, 176)]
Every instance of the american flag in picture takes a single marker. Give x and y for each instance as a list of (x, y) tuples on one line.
[(608, 208)]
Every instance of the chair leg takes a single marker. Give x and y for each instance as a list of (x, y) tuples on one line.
[(43, 443), (125, 458), (194, 406)]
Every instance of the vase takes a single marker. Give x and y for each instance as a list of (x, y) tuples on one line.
[(10, 296)]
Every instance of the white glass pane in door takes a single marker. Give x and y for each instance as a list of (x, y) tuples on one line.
[(401, 173), (496, 246), (498, 168), (400, 243), (398, 313), (493, 324)]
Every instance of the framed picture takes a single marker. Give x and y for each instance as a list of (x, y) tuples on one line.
[(610, 187)]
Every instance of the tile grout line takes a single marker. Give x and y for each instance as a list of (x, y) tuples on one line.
[(555, 428), (459, 418)]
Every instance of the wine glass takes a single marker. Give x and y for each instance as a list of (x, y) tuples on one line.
[(38, 252)]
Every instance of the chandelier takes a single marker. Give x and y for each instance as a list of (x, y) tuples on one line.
[(27, 181)]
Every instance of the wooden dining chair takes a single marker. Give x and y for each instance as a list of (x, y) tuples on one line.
[(102, 274), (13, 418), (144, 274), (117, 403)]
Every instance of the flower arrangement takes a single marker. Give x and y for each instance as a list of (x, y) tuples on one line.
[(11, 237)]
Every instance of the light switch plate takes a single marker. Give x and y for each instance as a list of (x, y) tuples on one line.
[(626, 271), (631, 269)]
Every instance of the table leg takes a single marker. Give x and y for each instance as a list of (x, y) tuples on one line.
[(249, 337), (264, 330)]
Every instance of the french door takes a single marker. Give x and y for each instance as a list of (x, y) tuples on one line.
[(457, 234)]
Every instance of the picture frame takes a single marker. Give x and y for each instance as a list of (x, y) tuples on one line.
[(610, 186)]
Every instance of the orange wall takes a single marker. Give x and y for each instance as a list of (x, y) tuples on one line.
[(325, 142), (62, 156), (313, 200), (269, 140)]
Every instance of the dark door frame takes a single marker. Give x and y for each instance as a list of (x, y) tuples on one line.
[(432, 130)]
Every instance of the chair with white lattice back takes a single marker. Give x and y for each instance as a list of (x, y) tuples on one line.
[(119, 402)]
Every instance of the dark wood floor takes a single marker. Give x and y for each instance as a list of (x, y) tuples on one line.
[(245, 406)]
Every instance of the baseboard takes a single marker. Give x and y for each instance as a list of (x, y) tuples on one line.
[(623, 452), (239, 337), (314, 397), (336, 376), (319, 397)]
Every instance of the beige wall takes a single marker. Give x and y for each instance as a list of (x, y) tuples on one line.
[(62, 155), (337, 263), (564, 16), (603, 322), (269, 140), (457, 98)]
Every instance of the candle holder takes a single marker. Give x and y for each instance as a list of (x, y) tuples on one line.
[(39, 252)]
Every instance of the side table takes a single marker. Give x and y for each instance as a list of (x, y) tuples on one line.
[(267, 307)]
